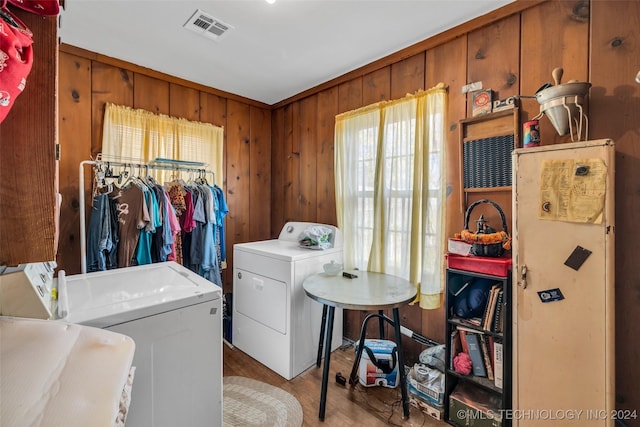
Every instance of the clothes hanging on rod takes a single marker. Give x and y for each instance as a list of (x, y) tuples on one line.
[(202, 209), (102, 235), (137, 221)]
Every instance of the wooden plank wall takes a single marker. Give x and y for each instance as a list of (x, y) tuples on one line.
[(513, 55), (614, 52), (28, 166), (512, 52), (87, 81)]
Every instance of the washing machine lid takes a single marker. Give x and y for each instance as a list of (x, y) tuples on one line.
[(286, 246), (108, 298)]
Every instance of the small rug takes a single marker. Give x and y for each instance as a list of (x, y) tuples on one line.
[(249, 402)]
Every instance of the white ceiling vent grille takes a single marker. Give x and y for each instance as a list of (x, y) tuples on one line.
[(205, 24)]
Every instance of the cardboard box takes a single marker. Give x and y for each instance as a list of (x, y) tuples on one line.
[(465, 415), (481, 102), (459, 247), (505, 104), (470, 405), (432, 411), (430, 391)]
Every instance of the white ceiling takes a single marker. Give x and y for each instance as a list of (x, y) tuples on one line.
[(274, 51)]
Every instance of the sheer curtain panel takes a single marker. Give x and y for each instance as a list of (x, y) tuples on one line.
[(139, 134), (390, 189)]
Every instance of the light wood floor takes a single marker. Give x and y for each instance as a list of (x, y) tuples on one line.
[(346, 406)]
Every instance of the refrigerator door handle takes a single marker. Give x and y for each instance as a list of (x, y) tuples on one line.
[(522, 281)]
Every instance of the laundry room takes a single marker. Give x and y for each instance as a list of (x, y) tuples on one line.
[(281, 161)]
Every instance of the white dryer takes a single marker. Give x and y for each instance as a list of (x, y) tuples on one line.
[(273, 320)]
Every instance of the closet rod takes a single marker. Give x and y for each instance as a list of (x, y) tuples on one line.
[(165, 165)]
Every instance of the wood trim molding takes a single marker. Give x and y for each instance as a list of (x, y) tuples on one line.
[(441, 38), (73, 50)]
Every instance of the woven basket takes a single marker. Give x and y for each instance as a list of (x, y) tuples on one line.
[(486, 244)]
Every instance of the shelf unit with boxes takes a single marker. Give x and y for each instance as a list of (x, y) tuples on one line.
[(478, 303)]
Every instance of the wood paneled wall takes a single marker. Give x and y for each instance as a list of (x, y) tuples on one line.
[(513, 54), (279, 159), (88, 81), (28, 165)]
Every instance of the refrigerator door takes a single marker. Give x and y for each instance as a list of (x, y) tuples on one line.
[(563, 279)]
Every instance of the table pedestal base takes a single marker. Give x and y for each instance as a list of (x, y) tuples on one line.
[(353, 377)]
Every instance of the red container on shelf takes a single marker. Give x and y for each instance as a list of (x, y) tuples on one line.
[(478, 264)]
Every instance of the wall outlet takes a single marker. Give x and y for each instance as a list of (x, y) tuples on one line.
[(472, 87)]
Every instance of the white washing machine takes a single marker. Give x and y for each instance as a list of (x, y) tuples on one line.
[(273, 320), (174, 317)]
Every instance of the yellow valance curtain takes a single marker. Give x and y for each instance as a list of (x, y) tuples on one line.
[(391, 189), (139, 134)]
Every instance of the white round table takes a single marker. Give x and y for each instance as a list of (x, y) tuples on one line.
[(367, 291)]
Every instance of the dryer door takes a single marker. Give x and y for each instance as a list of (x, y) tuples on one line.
[(262, 299)]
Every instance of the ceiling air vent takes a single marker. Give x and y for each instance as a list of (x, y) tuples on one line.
[(205, 24)]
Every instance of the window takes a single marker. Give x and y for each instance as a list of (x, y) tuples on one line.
[(390, 189), (141, 136)]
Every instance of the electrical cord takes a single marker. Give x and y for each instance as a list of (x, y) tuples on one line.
[(385, 414), (364, 395), (363, 392)]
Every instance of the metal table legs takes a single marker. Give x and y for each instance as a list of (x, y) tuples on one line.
[(353, 378), (322, 326), (327, 359), (403, 376), (328, 332)]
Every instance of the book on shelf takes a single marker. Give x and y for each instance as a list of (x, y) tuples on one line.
[(471, 322), (465, 330), (498, 363), (484, 346), (455, 346), (497, 318), (485, 313), (491, 345), (475, 353), (475, 321), (490, 308), (463, 338)]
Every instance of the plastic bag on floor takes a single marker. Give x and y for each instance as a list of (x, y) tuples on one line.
[(433, 357)]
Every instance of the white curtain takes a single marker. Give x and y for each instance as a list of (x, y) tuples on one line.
[(390, 189), (141, 136)]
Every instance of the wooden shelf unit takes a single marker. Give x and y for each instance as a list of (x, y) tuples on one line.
[(453, 378)]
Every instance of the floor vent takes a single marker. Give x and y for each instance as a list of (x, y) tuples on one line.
[(205, 24)]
